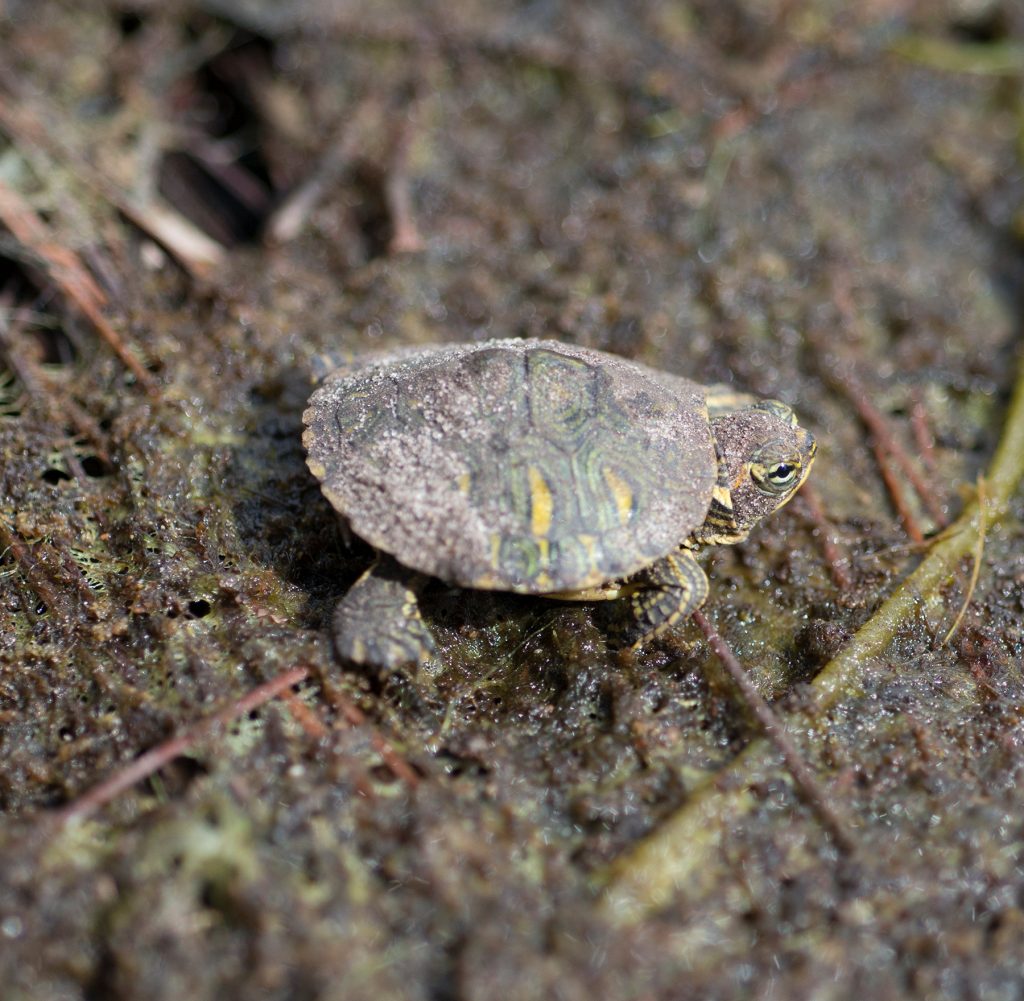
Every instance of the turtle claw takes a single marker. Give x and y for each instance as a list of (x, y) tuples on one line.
[(662, 594), (378, 623)]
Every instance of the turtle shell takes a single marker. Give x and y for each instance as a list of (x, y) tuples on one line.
[(516, 465)]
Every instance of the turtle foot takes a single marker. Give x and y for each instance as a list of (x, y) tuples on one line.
[(378, 623)]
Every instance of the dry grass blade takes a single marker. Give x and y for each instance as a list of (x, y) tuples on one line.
[(677, 855), (68, 273)]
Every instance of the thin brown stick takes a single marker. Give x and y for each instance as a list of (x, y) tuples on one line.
[(899, 500), (879, 427), (837, 559), (161, 755), (923, 437), (850, 386), (40, 387), (68, 273), (772, 727), (399, 767), (846, 382), (29, 567), (21, 118), (305, 717), (288, 219), (405, 237)]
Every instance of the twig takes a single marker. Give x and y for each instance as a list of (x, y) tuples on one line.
[(164, 753), (405, 237), (399, 767), (70, 275), (288, 219), (899, 501), (41, 387), (21, 119), (305, 717), (850, 386), (775, 731), (837, 559), (847, 383), (879, 427), (923, 437)]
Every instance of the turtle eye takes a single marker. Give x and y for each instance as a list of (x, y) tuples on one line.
[(775, 477), (782, 474)]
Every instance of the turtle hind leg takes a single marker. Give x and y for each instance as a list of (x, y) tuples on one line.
[(659, 596), (378, 623)]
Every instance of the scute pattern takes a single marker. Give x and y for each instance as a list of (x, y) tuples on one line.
[(526, 466)]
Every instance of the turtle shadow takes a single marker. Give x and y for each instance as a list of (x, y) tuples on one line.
[(283, 522)]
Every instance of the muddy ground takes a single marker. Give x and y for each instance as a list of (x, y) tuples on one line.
[(816, 201)]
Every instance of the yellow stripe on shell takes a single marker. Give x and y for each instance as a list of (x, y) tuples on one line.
[(621, 494), (541, 503)]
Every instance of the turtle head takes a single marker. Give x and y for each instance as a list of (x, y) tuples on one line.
[(763, 458)]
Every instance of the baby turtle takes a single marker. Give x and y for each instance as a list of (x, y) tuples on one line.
[(540, 468)]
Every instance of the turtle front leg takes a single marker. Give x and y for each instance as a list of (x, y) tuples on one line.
[(378, 622), (656, 598)]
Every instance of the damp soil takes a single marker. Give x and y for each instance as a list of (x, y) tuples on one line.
[(201, 202)]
